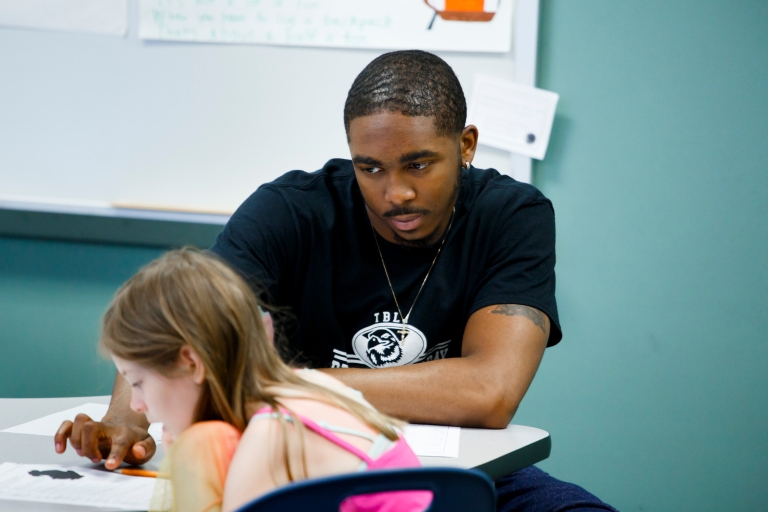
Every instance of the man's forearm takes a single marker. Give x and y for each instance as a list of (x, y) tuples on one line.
[(444, 392), (501, 351), (119, 411)]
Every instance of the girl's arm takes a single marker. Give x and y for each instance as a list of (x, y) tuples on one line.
[(199, 461)]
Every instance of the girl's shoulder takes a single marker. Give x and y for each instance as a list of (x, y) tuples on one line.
[(217, 436), (308, 403), (327, 381), (216, 428)]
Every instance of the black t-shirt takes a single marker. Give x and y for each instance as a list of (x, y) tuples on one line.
[(306, 240)]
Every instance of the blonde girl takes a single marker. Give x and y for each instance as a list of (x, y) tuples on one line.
[(186, 333)]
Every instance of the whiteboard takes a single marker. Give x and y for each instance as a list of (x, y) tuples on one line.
[(88, 122), (89, 16)]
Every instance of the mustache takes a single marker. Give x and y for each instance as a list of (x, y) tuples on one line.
[(405, 210)]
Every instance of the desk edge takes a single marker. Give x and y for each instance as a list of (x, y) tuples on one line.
[(519, 459)]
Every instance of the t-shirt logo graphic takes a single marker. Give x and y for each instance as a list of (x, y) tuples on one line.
[(379, 346), (383, 347)]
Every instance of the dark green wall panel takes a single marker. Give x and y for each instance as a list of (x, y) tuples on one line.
[(110, 230), (52, 296)]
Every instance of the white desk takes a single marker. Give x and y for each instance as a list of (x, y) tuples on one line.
[(495, 452)]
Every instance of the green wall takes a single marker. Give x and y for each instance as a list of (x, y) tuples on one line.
[(52, 296), (657, 397)]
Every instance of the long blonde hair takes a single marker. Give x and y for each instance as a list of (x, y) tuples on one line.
[(189, 297)]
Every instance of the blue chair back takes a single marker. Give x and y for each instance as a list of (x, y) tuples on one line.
[(454, 490)]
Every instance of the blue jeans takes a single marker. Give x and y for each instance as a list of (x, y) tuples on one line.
[(532, 490)]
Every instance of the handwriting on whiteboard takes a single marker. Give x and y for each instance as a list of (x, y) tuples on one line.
[(385, 24)]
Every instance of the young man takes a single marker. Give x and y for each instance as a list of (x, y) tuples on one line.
[(421, 281)]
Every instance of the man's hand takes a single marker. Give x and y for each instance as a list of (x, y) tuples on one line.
[(500, 353), (97, 440), (121, 435)]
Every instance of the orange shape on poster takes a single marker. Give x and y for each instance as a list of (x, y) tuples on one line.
[(463, 10)]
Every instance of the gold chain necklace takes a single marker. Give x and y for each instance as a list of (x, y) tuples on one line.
[(404, 319)]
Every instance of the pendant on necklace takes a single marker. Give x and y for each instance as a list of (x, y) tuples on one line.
[(403, 333)]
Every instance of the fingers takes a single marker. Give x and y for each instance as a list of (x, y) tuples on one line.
[(77, 429), (95, 440), (90, 434), (125, 447), (143, 450), (60, 439), (116, 454), (83, 434)]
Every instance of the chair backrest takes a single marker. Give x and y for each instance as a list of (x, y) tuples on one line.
[(454, 490)]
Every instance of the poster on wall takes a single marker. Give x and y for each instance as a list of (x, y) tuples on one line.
[(450, 25), (106, 17)]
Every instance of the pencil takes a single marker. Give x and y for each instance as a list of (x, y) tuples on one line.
[(139, 472)]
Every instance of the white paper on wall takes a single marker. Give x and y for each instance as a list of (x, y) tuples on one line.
[(109, 17), (511, 116), (381, 24)]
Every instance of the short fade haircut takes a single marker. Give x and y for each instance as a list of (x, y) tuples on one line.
[(413, 83)]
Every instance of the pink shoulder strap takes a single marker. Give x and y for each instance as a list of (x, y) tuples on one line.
[(324, 432), (398, 456)]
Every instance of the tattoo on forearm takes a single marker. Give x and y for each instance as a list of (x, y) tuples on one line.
[(534, 315)]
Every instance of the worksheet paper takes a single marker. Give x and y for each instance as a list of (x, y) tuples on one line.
[(48, 425), (510, 116), (433, 440), (108, 17), (73, 485)]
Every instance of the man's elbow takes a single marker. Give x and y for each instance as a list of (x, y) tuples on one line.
[(498, 418), (497, 411)]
